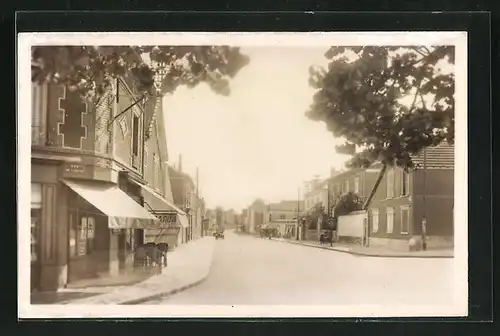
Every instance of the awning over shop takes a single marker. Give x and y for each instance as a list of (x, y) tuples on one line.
[(158, 204), (122, 211)]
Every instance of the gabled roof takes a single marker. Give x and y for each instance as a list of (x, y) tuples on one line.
[(441, 156)]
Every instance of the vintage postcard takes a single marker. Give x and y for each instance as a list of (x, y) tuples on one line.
[(242, 174)]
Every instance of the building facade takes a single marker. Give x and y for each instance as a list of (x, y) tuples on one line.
[(90, 176), (316, 195), (185, 197), (283, 216), (404, 200), (255, 216)]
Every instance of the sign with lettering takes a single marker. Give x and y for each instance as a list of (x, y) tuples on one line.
[(169, 219), (74, 168), (77, 170)]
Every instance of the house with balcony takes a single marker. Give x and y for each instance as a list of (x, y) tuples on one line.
[(407, 202), (99, 182)]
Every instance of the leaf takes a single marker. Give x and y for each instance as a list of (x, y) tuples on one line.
[(360, 102)]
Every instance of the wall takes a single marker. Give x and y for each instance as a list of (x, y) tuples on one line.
[(123, 130), (381, 203), (287, 209), (52, 237), (366, 178), (439, 201), (351, 225)]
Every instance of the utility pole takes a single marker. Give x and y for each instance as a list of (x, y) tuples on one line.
[(424, 219)]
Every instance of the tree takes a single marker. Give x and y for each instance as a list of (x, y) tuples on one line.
[(387, 102), (347, 203), (90, 70)]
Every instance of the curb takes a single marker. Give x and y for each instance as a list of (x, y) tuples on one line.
[(164, 294), (171, 291), (367, 254)]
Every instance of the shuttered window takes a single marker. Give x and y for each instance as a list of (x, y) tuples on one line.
[(374, 213), (390, 183), (405, 220), (390, 220)]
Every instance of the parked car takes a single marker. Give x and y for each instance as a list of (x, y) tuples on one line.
[(219, 235)]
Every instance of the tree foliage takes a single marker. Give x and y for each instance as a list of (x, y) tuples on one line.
[(347, 203), (388, 103), (91, 70)]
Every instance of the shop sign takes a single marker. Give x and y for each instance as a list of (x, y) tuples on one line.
[(77, 170), (168, 219), (74, 168)]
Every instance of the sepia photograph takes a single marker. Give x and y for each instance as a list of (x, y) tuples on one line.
[(242, 174)]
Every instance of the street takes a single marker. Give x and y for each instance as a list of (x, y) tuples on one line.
[(253, 271)]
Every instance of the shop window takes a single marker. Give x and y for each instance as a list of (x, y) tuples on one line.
[(36, 216), (86, 230), (72, 235)]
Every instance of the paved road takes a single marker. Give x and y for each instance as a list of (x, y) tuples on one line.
[(247, 270)]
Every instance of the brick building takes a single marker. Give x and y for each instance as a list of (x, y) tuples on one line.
[(402, 200), (98, 175)]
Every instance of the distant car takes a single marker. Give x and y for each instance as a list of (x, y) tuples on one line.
[(219, 235)]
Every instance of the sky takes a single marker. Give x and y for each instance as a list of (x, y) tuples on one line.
[(257, 142)]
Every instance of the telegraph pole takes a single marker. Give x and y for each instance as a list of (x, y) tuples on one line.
[(424, 219)]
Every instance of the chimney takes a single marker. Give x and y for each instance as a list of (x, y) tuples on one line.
[(180, 163)]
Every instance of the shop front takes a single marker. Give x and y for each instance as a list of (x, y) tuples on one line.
[(174, 221), (102, 222)]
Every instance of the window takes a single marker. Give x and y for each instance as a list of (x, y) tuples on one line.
[(356, 185), (282, 216), (36, 215), (405, 184), (405, 219), (390, 183), (135, 135), (390, 220), (156, 170), (345, 187), (38, 113), (85, 232), (374, 220)]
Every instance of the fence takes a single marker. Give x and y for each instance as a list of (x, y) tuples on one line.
[(351, 227)]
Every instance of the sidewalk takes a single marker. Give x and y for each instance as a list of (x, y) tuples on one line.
[(373, 251), (188, 265)]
